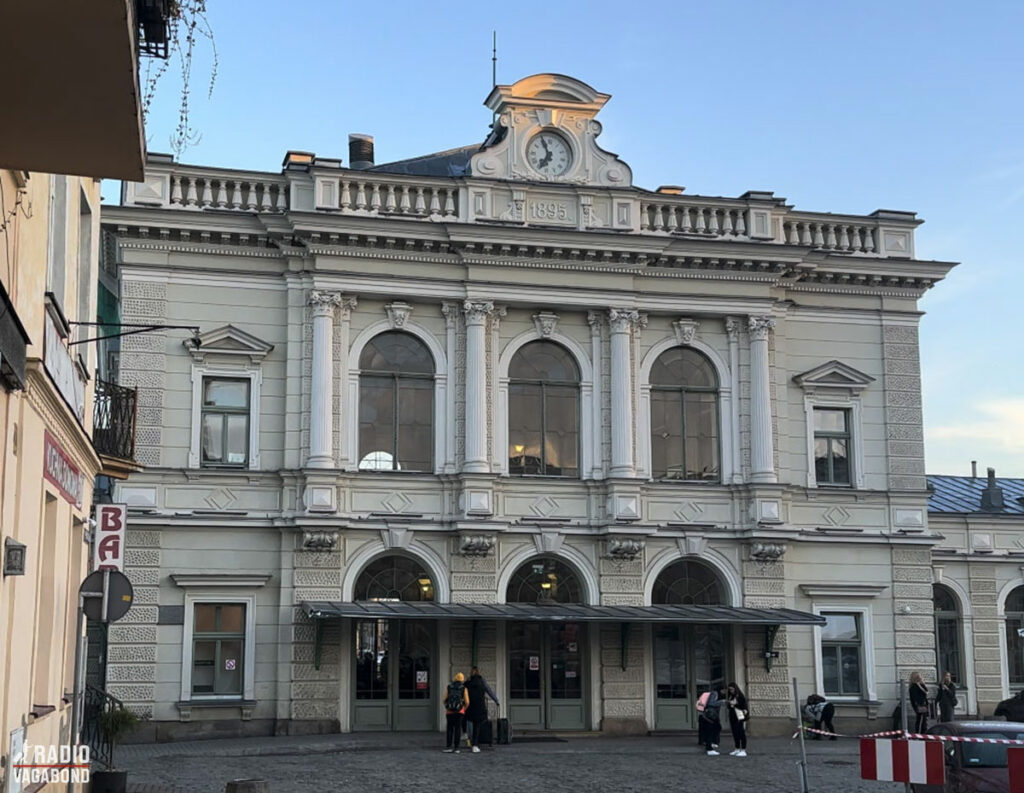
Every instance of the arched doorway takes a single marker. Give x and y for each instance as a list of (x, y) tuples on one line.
[(394, 686), (547, 660), (688, 659)]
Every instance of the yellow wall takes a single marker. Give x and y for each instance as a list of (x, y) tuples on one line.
[(37, 610)]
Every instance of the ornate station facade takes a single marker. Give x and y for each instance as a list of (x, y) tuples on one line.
[(499, 406)]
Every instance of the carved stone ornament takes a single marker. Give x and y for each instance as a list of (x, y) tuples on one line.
[(476, 545), (767, 551), (626, 548), (398, 313), (324, 303), (623, 320), (319, 540), (760, 327), (477, 311), (451, 313), (686, 330), (732, 328), (546, 322)]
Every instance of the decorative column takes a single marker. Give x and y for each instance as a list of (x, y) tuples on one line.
[(321, 424), (762, 451), (476, 312), (732, 329), (622, 321)]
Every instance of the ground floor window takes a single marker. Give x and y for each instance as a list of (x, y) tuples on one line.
[(218, 649), (947, 634), (1015, 637), (841, 654)]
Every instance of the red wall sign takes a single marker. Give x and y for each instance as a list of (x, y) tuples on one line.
[(108, 548), (60, 471)]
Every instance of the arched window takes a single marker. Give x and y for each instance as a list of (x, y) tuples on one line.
[(394, 577), (684, 416), (396, 404), (543, 411), (545, 580), (947, 633), (1015, 636), (688, 582)]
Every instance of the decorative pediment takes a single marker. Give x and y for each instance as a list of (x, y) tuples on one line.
[(228, 340), (561, 108), (834, 375)]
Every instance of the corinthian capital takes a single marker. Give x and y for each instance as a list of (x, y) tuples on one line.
[(477, 311), (760, 327), (324, 303), (623, 320)]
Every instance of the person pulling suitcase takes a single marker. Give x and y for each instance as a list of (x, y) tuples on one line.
[(478, 725)]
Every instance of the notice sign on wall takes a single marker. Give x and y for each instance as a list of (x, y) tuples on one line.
[(108, 548), (534, 663), (421, 679)]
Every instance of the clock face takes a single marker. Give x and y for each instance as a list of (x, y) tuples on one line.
[(549, 154)]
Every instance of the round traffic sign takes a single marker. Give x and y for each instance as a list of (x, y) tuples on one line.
[(119, 595)]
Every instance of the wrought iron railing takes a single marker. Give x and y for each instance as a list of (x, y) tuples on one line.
[(96, 702), (113, 427)]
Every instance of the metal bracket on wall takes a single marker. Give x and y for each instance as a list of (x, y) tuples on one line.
[(624, 636), (770, 654), (318, 635)]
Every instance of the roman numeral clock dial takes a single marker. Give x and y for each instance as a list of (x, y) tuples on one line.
[(549, 154)]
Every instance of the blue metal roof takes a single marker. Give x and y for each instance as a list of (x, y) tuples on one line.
[(962, 494)]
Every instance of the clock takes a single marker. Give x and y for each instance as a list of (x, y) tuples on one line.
[(549, 154)]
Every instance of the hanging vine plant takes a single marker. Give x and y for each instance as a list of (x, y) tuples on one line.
[(186, 25)]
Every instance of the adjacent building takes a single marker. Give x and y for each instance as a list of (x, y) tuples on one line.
[(499, 405)]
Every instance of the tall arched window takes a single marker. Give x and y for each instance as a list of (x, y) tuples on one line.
[(543, 411), (1014, 639), (545, 580), (684, 416), (947, 633), (394, 577), (396, 404)]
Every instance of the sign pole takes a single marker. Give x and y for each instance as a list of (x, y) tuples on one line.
[(803, 746), (904, 715), (76, 701)]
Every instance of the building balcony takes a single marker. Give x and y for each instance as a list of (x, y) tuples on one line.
[(113, 429)]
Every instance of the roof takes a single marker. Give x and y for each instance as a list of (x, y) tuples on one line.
[(558, 612), (453, 162), (960, 495)]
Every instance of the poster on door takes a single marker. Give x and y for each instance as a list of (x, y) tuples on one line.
[(421, 679), (534, 663)]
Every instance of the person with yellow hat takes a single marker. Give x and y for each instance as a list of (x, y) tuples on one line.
[(456, 701)]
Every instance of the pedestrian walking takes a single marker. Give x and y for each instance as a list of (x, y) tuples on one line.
[(945, 699), (476, 714), (919, 702), (820, 712), (1011, 709), (739, 713), (709, 725), (456, 700)]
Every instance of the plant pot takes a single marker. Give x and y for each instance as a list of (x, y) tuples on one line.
[(108, 781)]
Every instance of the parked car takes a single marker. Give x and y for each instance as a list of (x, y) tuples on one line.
[(975, 767)]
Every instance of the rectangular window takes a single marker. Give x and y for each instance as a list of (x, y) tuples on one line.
[(841, 662), (832, 446), (218, 648), (225, 422)]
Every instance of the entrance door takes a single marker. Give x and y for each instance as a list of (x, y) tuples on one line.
[(394, 682), (546, 676), (688, 659)]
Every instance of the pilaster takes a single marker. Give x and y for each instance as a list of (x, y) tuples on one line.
[(623, 322), (321, 420), (476, 314), (762, 451)]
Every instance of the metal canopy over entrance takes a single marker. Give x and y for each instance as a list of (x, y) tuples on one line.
[(559, 612)]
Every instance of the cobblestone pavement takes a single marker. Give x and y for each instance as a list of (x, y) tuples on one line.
[(401, 763)]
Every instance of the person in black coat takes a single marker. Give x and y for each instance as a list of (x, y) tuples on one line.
[(945, 699), (1011, 709), (709, 725), (476, 713), (739, 713), (919, 702), (821, 712)]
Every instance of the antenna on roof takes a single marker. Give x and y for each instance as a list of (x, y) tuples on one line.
[(494, 58)]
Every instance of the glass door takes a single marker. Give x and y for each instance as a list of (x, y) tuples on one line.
[(546, 676), (688, 660), (393, 675), (566, 705), (372, 708), (526, 699), (414, 705)]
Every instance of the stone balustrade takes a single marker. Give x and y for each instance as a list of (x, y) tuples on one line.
[(379, 196), (250, 194), (845, 237), (690, 218)]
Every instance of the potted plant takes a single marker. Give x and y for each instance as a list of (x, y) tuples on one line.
[(115, 723)]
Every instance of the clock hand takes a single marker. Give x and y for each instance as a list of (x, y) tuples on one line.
[(548, 154)]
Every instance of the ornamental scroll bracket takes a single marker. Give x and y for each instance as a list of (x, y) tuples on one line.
[(321, 541), (476, 546), (765, 552), (624, 548)]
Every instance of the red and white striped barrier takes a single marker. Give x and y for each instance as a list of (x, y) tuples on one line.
[(920, 762)]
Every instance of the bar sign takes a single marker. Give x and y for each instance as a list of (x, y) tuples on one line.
[(108, 548)]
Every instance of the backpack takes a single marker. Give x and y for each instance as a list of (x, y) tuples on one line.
[(455, 701), (702, 701)]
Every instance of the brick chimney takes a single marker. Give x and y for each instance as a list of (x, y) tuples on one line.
[(992, 495)]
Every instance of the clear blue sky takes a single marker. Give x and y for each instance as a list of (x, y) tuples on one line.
[(837, 106)]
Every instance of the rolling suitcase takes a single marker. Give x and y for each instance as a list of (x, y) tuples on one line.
[(504, 732), (485, 733)]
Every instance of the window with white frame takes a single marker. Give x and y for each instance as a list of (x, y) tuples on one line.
[(832, 464), (226, 414), (842, 654), (218, 649), (684, 417)]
